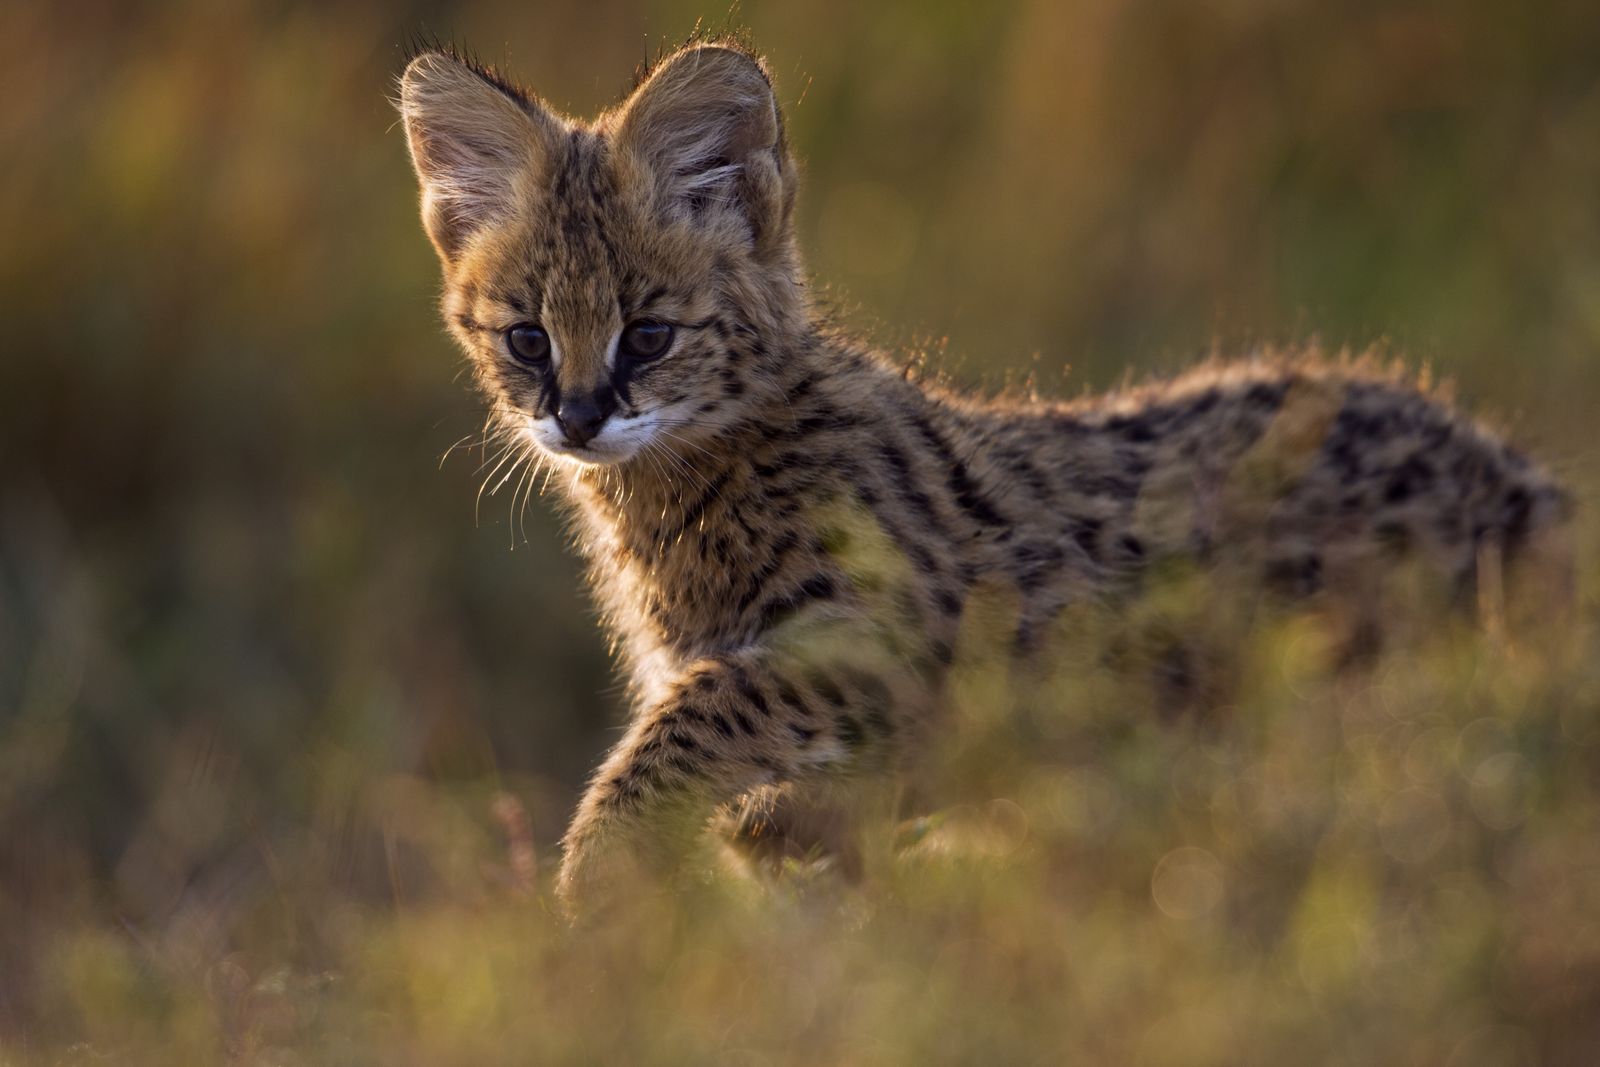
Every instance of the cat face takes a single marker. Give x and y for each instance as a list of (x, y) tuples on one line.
[(612, 282)]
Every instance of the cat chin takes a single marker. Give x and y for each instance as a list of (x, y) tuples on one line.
[(597, 453)]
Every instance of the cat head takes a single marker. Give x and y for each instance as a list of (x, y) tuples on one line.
[(618, 283)]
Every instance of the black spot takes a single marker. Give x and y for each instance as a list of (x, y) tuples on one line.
[(790, 697), (1266, 394), (1345, 459), (818, 587), (1409, 478), (920, 555), (750, 692), (680, 739), (824, 417), (786, 543), (827, 689), (1030, 475), (962, 487), (1358, 425), (1518, 506), (1133, 463), (1086, 532), (625, 786), (1132, 546), (872, 689), (921, 503), (775, 611), (1137, 429), (897, 460), (1034, 562), (850, 732)]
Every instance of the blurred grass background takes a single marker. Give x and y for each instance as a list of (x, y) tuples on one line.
[(262, 677)]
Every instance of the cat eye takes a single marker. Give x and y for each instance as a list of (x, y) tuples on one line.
[(529, 345), (645, 339)]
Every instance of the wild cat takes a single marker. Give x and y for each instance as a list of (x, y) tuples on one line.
[(782, 530)]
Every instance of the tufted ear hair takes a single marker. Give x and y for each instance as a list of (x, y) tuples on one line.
[(705, 125), (477, 144)]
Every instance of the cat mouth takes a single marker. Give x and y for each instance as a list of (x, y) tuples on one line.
[(598, 452)]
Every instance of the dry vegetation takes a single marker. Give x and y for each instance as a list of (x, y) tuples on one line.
[(1399, 864)]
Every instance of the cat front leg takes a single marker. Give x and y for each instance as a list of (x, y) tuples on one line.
[(729, 725)]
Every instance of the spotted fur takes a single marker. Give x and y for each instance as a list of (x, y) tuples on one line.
[(783, 530)]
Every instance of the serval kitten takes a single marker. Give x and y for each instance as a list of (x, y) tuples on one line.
[(783, 531)]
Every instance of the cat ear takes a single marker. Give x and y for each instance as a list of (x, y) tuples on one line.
[(476, 142), (705, 124)]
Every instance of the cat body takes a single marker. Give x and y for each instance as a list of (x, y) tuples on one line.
[(783, 529)]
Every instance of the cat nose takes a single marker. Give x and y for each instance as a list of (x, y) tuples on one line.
[(582, 416)]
